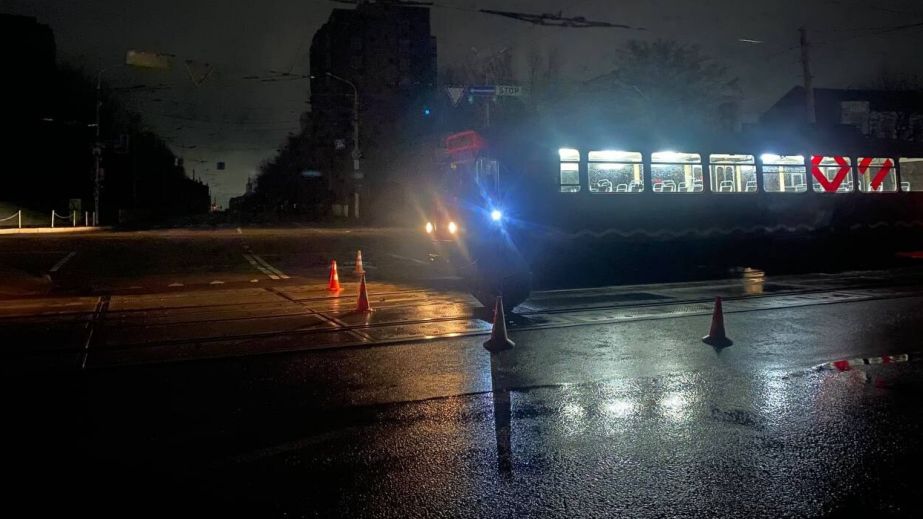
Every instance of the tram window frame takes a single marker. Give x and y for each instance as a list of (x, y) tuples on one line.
[(739, 162), (569, 165), (692, 172), (908, 184), (829, 167), (787, 165), (601, 160), (864, 180)]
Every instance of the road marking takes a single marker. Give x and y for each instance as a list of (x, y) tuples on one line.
[(102, 304), (172, 285), (269, 267), (61, 263), (404, 258), (254, 280), (238, 231), (216, 282), (260, 267)]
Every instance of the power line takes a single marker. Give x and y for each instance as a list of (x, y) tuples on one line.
[(875, 7), (544, 19), (558, 20), (224, 123)]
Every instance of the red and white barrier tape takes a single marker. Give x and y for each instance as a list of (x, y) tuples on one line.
[(846, 365)]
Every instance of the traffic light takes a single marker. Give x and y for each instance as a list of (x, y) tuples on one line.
[(426, 111)]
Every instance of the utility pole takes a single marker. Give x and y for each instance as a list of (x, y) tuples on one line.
[(808, 78), (97, 148)]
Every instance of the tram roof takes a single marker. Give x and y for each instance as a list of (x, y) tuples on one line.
[(757, 139)]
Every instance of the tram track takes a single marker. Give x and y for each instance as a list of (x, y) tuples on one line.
[(560, 318), (395, 326)]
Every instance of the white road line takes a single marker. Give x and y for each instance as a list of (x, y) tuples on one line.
[(61, 263), (172, 285), (238, 231), (216, 282), (272, 269), (260, 267), (405, 258)]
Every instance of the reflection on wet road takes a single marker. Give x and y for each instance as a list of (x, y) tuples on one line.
[(711, 443), (609, 405)]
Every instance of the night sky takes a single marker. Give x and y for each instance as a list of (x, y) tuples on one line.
[(242, 121)]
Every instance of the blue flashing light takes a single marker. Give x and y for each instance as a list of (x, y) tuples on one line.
[(496, 215)]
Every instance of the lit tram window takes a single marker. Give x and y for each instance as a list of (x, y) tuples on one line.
[(673, 172), (570, 170), (613, 171), (784, 173), (831, 174), (569, 155), (732, 173), (877, 175), (911, 174)]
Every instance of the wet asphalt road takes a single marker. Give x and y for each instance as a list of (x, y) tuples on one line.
[(628, 420), (628, 416)]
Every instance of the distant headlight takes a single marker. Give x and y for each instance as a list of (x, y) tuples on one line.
[(430, 228), (496, 215), (452, 228)]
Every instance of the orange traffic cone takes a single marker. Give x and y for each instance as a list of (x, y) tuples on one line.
[(334, 284), (359, 270), (499, 340), (363, 304), (716, 336)]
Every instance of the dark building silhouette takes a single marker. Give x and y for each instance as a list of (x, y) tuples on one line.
[(387, 51)]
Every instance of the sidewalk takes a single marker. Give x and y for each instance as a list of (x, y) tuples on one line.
[(52, 230)]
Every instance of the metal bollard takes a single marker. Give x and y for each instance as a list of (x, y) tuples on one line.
[(20, 218), (52, 218), (86, 218), (74, 217)]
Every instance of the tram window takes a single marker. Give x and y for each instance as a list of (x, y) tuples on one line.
[(570, 170), (673, 172), (784, 173), (570, 177), (877, 175), (836, 173), (615, 172), (911, 174), (569, 155), (732, 173)]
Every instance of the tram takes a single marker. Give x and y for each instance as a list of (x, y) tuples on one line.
[(638, 209)]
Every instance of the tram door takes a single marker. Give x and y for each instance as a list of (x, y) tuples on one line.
[(487, 171)]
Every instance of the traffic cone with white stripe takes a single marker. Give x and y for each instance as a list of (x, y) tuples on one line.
[(359, 270), (334, 284), (716, 336), (363, 304), (499, 340)]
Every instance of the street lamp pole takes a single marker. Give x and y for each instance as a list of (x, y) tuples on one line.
[(97, 148), (357, 174)]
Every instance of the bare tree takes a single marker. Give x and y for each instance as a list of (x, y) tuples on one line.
[(900, 111), (664, 83)]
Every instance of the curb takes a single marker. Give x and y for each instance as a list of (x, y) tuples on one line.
[(52, 230)]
